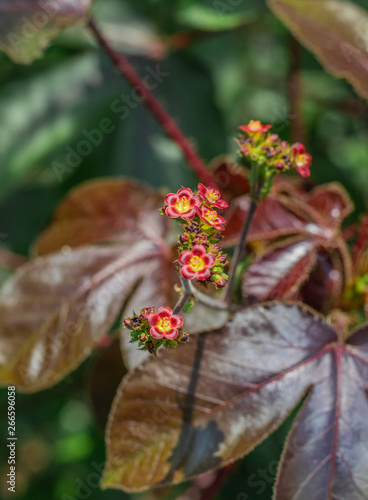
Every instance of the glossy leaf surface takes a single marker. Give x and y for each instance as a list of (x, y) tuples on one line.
[(335, 31), (71, 298), (192, 411)]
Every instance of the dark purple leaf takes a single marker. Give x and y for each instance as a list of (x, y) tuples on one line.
[(200, 408), (335, 31)]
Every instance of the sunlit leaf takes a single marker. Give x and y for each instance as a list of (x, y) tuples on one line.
[(70, 299), (199, 409), (335, 30)]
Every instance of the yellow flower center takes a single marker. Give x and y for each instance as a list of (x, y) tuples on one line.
[(164, 324), (211, 216), (301, 160), (212, 195), (196, 263), (183, 204), (254, 126)]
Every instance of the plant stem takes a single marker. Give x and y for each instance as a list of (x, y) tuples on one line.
[(295, 92), (191, 292), (240, 250), (155, 106), (221, 477)]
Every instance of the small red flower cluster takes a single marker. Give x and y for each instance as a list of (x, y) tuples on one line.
[(151, 329), (200, 254), (267, 149)]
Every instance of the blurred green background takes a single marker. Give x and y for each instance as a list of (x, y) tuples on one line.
[(220, 72)]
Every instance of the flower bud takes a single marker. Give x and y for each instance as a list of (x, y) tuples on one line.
[(128, 322), (146, 311), (218, 280), (184, 238), (184, 338), (143, 338)]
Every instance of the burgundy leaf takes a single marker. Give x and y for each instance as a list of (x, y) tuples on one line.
[(107, 210), (280, 273), (314, 218), (273, 219), (326, 454), (331, 204), (335, 31), (28, 26), (70, 299), (199, 409)]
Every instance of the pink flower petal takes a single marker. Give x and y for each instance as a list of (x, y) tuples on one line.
[(185, 192), (202, 189), (190, 214), (184, 257), (209, 259), (153, 319), (164, 312), (156, 334), (172, 334), (187, 273), (176, 321), (172, 212), (171, 199), (198, 250), (203, 275)]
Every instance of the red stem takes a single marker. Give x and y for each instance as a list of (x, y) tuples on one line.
[(362, 241), (163, 117), (295, 93), (221, 477)]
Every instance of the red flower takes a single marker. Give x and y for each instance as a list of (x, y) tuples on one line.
[(164, 324), (182, 204), (212, 196), (211, 217), (254, 127), (196, 263), (302, 159)]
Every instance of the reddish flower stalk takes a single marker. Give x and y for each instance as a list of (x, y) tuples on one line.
[(155, 106)]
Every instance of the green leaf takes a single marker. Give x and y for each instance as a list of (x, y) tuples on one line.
[(335, 31)]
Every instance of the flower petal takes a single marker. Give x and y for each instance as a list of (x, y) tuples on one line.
[(199, 250), (172, 212), (185, 192), (187, 273), (172, 334), (153, 319), (209, 259), (190, 214), (164, 312), (171, 199), (184, 257), (202, 189), (176, 321), (203, 275), (156, 334)]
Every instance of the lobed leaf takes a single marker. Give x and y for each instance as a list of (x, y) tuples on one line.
[(280, 273), (113, 256), (335, 31), (199, 409)]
